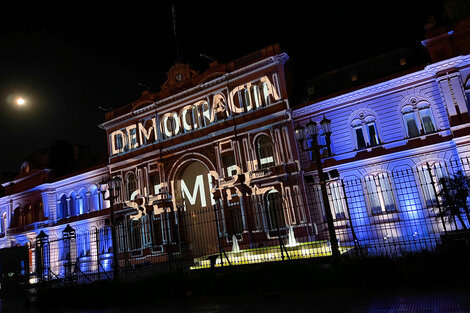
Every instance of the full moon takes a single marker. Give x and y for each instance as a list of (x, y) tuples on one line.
[(20, 101)]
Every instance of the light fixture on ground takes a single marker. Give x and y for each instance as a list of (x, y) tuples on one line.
[(311, 130)]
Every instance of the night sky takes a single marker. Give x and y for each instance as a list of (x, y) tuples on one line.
[(68, 61)]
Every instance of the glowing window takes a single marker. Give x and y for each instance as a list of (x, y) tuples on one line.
[(365, 131), (379, 193), (418, 119), (264, 150), (429, 176)]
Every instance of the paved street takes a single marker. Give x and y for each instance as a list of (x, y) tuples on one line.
[(396, 300)]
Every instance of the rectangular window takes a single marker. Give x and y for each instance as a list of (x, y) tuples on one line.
[(410, 123), (155, 182), (336, 198), (426, 118), (360, 140), (373, 136), (228, 163)]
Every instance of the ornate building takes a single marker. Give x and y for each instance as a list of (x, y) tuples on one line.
[(221, 139), (62, 220), (391, 144)]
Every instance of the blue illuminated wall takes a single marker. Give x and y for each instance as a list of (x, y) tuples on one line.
[(433, 100)]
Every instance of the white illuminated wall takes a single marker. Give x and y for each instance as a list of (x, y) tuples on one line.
[(76, 201)]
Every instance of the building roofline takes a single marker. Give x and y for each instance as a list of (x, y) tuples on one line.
[(429, 71)]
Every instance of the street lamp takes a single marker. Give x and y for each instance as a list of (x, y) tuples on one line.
[(114, 187), (301, 133)]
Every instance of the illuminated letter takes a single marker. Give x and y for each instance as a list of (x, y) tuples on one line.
[(176, 120), (206, 117), (231, 103), (176, 123), (184, 117), (146, 133), (211, 188), (247, 98), (165, 129), (198, 185), (270, 89), (132, 136), (218, 105), (114, 134)]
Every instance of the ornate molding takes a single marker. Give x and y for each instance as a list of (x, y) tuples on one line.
[(428, 73)]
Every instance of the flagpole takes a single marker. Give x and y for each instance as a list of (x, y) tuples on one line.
[(173, 17)]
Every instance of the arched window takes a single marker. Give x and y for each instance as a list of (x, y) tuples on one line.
[(28, 214), (264, 152), (274, 210), (16, 218), (38, 211), (136, 235), (418, 118), (380, 193), (62, 210), (364, 130), (94, 199), (429, 175), (131, 186), (82, 203), (73, 204)]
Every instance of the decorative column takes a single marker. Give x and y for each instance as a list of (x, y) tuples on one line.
[(452, 94)]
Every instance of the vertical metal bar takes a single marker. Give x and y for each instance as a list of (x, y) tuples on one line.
[(167, 234), (97, 251), (218, 236), (353, 232), (437, 198), (326, 203)]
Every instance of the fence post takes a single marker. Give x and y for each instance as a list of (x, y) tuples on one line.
[(281, 244), (353, 232), (167, 234), (97, 243)]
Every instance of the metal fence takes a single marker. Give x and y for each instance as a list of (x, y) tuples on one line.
[(387, 212)]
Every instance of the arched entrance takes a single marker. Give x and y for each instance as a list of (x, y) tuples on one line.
[(197, 220), (274, 211)]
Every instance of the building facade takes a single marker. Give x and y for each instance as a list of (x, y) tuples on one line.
[(61, 221), (391, 144), (208, 163), (208, 171)]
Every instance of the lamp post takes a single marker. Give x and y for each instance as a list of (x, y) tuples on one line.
[(311, 128), (114, 186)]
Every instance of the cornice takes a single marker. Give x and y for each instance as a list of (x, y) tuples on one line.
[(16, 181), (428, 73), (270, 61)]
